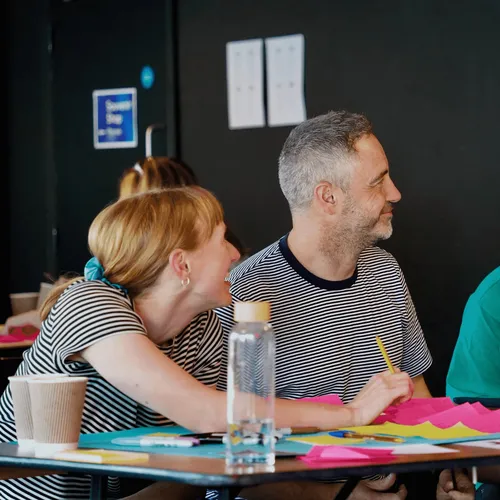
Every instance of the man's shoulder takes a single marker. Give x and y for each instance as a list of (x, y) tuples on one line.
[(378, 258), (257, 264)]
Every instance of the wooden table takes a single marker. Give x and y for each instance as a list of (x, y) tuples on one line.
[(213, 473), (4, 346)]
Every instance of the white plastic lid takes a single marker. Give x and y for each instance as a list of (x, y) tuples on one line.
[(247, 312)]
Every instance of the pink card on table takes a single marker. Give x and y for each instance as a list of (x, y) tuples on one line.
[(481, 409), (414, 411), (474, 416), (412, 416), (339, 454), (489, 423), (20, 334), (438, 404), (450, 417)]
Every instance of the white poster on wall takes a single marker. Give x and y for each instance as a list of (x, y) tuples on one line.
[(245, 83), (285, 80)]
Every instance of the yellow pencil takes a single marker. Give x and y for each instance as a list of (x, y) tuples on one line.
[(384, 353)]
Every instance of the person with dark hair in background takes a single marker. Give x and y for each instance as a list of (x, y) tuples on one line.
[(159, 172)]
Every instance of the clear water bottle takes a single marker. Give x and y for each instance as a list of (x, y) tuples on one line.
[(250, 386)]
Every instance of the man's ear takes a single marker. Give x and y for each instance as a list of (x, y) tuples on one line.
[(326, 197)]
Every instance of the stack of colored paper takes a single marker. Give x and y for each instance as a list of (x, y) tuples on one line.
[(441, 412)]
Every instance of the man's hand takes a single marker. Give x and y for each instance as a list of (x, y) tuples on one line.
[(465, 489), (381, 391)]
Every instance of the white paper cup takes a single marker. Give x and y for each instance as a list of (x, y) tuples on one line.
[(57, 409), (23, 302), (22, 406)]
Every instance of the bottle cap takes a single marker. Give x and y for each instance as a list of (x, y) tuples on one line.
[(252, 311)]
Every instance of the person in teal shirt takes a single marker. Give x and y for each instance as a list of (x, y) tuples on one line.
[(475, 366)]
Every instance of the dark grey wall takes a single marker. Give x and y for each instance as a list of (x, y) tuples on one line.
[(4, 173), (28, 89), (100, 45), (425, 72), (427, 75)]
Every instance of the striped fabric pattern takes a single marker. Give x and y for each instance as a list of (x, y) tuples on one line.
[(87, 312), (325, 330)]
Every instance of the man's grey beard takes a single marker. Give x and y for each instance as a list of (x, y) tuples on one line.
[(350, 240)]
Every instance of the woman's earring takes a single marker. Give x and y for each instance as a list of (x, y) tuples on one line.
[(185, 282)]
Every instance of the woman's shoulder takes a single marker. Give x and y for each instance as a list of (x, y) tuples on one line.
[(82, 293), (83, 287)]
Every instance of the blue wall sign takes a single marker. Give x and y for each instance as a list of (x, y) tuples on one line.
[(147, 77), (115, 118)]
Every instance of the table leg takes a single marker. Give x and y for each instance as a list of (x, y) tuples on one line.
[(347, 489), (98, 487), (228, 493)]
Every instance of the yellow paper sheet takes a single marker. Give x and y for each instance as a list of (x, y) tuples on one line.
[(101, 456), (425, 430), (325, 440)]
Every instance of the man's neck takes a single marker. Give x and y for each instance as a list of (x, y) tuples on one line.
[(335, 263)]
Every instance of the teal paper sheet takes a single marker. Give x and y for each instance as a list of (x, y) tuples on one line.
[(103, 440)]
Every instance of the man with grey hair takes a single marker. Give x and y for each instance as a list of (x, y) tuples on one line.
[(332, 291)]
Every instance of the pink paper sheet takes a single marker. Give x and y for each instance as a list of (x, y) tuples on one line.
[(412, 412), (469, 415), (441, 412), (340, 454), (20, 334), (451, 416)]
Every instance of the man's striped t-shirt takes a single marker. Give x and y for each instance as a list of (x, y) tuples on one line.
[(325, 330)]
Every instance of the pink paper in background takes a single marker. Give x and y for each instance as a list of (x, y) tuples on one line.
[(485, 423), (441, 412), (20, 334), (412, 412), (439, 404), (481, 409), (451, 416), (342, 454)]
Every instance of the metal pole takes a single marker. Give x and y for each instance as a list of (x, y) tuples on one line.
[(149, 137)]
